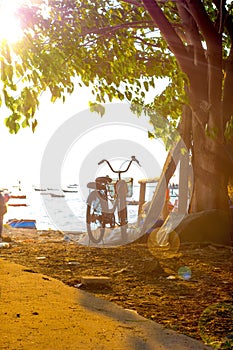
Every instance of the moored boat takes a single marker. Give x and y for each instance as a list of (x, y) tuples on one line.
[(19, 196), (73, 186), (22, 223), (56, 195), (69, 190), (133, 202)]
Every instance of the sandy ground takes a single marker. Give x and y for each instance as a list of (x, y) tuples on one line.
[(39, 312)]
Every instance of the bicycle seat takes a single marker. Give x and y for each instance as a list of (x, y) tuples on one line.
[(96, 185), (103, 180), (91, 185)]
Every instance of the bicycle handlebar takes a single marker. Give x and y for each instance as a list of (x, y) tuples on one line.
[(133, 159)]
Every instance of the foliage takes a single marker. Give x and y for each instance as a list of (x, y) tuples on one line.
[(112, 46), (119, 48)]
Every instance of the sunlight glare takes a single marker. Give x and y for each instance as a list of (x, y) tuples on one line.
[(9, 25)]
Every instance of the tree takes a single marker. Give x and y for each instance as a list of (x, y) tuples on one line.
[(121, 48)]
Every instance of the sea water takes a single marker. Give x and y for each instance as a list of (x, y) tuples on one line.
[(73, 220), (37, 203)]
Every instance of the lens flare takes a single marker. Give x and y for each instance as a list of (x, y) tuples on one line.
[(10, 29), (163, 244), (185, 273)]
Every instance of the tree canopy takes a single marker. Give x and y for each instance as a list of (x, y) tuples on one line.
[(115, 46), (120, 47)]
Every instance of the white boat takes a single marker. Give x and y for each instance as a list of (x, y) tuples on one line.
[(56, 195), (70, 190)]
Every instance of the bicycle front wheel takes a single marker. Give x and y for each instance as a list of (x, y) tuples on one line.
[(122, 208), (95, 218)]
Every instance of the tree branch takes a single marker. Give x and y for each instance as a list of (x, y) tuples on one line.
[(144, 41), (227, 19), (193, 38), (214, 58), (228, 88), (203, 22), (229, 26), (173, 40), (192, 33), (133, 2), (110, 29)]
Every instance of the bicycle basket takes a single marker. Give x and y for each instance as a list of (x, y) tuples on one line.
[(129, 182)]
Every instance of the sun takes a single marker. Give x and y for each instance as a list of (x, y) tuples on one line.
[(9, 24)]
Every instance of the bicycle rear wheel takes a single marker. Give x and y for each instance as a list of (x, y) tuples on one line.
[(95, 217), (123, 221)]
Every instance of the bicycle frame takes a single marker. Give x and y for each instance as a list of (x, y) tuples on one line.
[(99, 212), (118, 202)]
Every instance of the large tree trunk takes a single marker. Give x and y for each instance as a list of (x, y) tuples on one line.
[(209, 93), (210, 175)]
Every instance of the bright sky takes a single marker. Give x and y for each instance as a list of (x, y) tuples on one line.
[(21, 154)]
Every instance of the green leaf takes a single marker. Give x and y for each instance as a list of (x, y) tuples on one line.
[(151, 135), (98, 108), (128, 95), (3, 72), (25, 123), (146, 85), (34, 125)]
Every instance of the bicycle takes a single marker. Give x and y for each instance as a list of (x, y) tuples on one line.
[(104, 201)]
